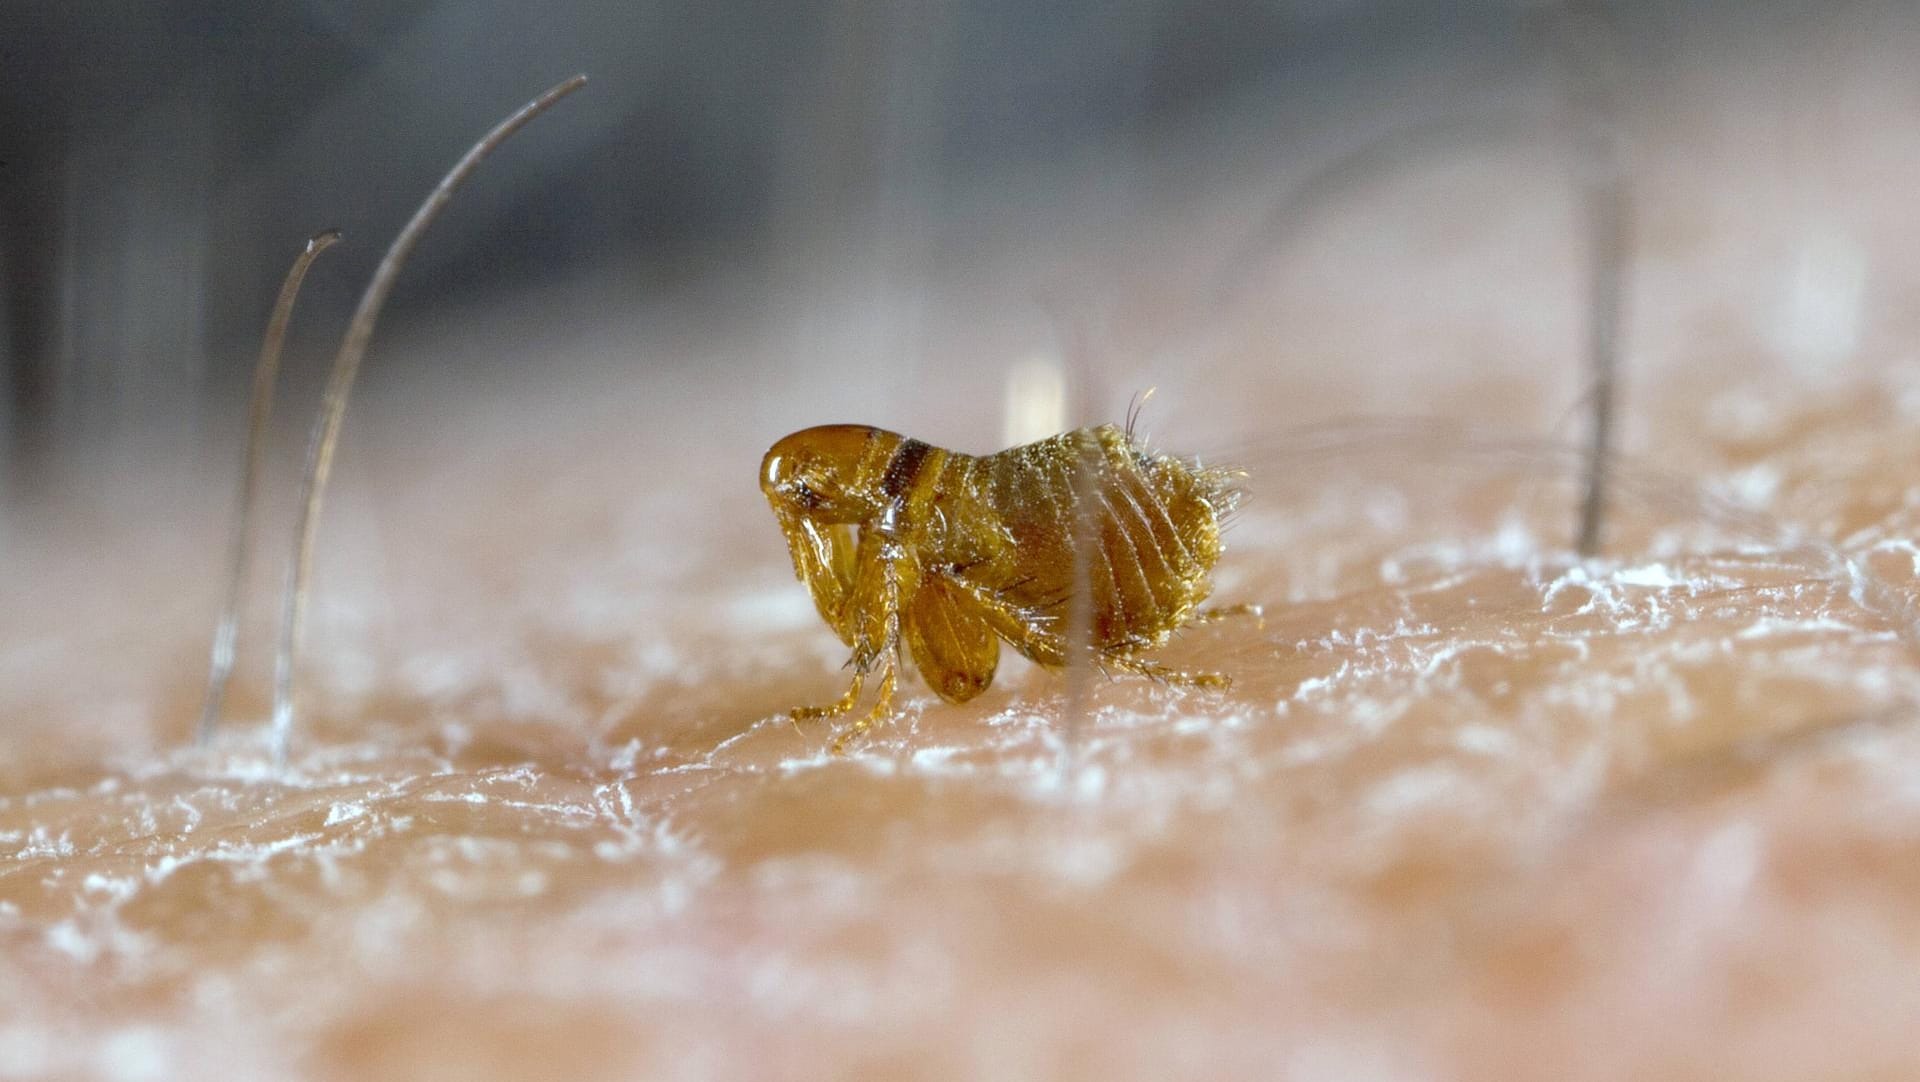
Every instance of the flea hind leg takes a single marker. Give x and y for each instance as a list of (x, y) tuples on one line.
[(1155, 671), (1228, 612), (880, 709), (837, 707)]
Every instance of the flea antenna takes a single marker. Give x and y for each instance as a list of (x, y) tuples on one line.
[(266, 372), (333, 407)]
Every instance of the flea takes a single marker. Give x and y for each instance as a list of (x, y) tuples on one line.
[(904, 544)]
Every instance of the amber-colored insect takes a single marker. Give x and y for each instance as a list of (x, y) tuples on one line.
[(948, 553)]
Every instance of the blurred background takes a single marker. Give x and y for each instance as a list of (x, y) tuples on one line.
[(160, 162), (759, 165)]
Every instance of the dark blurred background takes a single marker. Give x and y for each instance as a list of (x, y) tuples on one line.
[(161, 161)]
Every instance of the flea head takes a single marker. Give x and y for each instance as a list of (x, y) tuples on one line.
[(829, 474)]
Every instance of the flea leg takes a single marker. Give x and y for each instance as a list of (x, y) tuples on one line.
[(1030, 633), (875, 628), (1177, 677), (880, 709), (839, 706), (867, 615), (1228, 612)]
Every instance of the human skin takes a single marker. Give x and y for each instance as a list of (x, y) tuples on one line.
[(1472, 808)]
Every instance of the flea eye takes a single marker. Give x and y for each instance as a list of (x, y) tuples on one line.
[(805, 496)]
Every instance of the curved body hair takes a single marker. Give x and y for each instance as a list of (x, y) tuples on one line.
[(947, 554)]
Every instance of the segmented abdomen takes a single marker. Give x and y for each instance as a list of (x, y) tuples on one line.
[(1153, 523)]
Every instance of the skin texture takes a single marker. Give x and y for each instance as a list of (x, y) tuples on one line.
[(1474, 808), (900, 543)]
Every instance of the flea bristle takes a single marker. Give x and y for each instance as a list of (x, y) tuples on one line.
[(1224, 490)]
